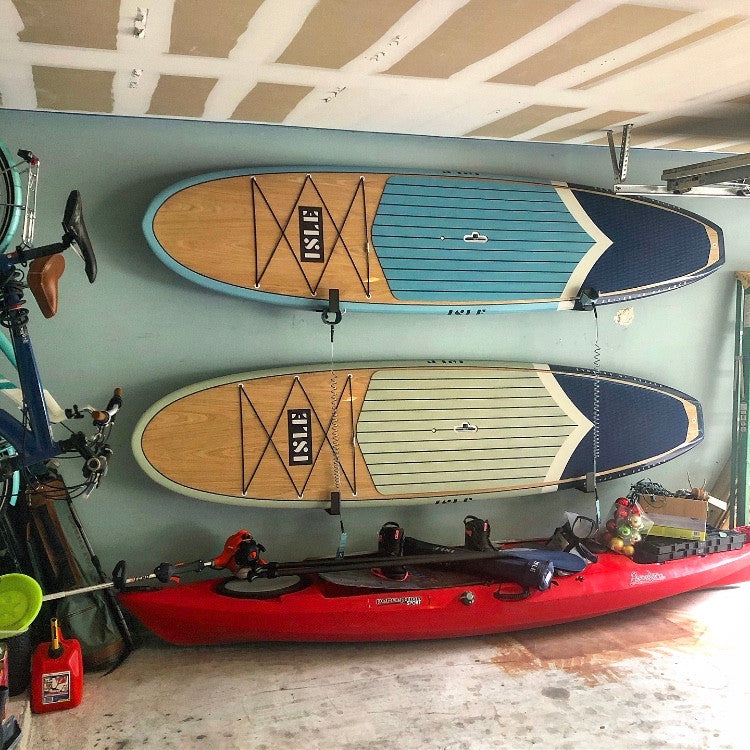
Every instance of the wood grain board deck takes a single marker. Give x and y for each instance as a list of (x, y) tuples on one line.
[(422, 242), (407, 432)]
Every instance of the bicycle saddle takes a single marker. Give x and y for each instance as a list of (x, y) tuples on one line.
[(75, 227), (44, 273)]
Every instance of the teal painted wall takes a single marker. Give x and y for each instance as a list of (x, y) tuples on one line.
[(148, 330)]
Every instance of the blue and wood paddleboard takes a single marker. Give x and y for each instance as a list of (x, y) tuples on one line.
[(446, 243), (414, 432)]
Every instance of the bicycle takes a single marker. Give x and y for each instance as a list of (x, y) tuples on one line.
[(30, 439)]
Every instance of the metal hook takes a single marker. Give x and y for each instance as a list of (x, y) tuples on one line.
[(332, 314), (587, 298)]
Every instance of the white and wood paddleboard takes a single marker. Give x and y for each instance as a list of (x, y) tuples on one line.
[(413, 432)]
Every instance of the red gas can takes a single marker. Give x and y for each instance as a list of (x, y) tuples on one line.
[(56, 674)]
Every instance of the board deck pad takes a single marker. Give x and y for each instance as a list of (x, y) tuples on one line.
[(424, 242), (415, 432)]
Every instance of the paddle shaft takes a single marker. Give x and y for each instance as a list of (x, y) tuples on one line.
[(337, 565), (168, 571)]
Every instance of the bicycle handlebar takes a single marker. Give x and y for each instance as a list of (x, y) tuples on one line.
[(105, 416)]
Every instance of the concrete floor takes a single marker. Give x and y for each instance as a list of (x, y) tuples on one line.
[(669, 675)]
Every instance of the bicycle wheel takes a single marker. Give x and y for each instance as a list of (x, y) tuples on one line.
[(11, 550), (10, 198)]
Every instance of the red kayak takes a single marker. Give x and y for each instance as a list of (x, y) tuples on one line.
[(314, 608)]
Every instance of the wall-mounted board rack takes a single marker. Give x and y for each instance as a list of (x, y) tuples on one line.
[(725, 178)]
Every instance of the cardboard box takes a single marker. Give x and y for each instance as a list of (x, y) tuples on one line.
[(675, 517), (717, 513)]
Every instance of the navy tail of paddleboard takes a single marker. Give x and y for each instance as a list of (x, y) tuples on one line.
[(640, 416)]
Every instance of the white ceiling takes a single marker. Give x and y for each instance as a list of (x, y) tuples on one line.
[(534, 70)]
